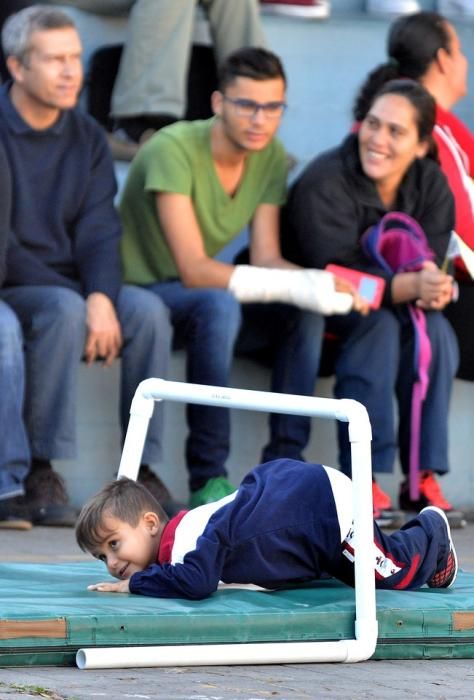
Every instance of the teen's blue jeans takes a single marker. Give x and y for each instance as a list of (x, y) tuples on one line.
[(53, 321), (14, 449), (211, 324)]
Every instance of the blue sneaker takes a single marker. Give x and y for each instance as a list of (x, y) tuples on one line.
[(445, 574)]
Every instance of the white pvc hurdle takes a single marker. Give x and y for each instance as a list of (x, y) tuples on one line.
[(365, 626)]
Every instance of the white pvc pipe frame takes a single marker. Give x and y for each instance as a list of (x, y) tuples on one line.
[(349, 650)]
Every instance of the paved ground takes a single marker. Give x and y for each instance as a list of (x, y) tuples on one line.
[(435, 680)]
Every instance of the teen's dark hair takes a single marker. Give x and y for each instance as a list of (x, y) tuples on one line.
[(422, 102), (412, 45), (250, 62), (123, 499)]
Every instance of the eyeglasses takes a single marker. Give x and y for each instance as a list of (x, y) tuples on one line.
[(250, 108)]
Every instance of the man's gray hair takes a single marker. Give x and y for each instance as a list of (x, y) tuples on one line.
[(18, 28)]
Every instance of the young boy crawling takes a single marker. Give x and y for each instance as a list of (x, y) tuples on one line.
[(288, 523)]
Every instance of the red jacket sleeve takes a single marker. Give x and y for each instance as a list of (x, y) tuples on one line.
[(456, 153)]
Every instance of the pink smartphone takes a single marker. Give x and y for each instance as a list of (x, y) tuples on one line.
[(370, 287)]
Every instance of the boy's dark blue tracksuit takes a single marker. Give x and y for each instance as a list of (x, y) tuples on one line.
[(281, 527)]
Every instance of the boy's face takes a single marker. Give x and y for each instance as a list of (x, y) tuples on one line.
[(126, 549)]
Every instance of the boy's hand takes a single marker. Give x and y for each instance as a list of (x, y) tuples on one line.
[(110, 587)]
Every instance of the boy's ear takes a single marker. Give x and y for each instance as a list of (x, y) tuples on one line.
[(152, 522)]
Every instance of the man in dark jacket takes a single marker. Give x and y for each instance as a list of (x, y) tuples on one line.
[(63, 272)]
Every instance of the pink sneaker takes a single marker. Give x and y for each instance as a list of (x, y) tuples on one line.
[(310, 9)]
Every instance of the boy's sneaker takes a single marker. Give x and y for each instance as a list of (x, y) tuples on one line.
[(456, 8), (384, 514), (310, 9), (159, 491), (430, 495), (392, 7), (446, 572), (46, 497), (213, 490)]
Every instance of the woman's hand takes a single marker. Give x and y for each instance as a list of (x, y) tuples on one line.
[(435, 287)]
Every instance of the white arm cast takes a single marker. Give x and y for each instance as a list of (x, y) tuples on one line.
[(308, 289)]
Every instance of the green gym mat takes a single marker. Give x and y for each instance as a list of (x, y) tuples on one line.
[(46, 615)]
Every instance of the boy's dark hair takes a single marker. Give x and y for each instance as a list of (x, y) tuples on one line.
[(18, 28), (250, 62), (123, 499), (412, 45)]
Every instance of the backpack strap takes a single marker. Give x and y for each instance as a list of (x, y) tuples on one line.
[(398, 243), (422, 361), (408, 223)]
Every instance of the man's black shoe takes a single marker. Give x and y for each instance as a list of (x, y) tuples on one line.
[(14, 515), (46, 497)]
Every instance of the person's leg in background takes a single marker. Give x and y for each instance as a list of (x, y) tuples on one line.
[(366, 371), (435, 411), (146, 332), (233, 25), (290, 339), (206, 323), (150, 89), (53, 324), (14, 448)]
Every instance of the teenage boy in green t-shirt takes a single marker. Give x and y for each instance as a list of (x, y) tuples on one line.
[(191, 190)]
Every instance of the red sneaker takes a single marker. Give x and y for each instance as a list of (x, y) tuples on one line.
[(430, 494), (311, 9), (384, 514), (381, 500), (431, 491)]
